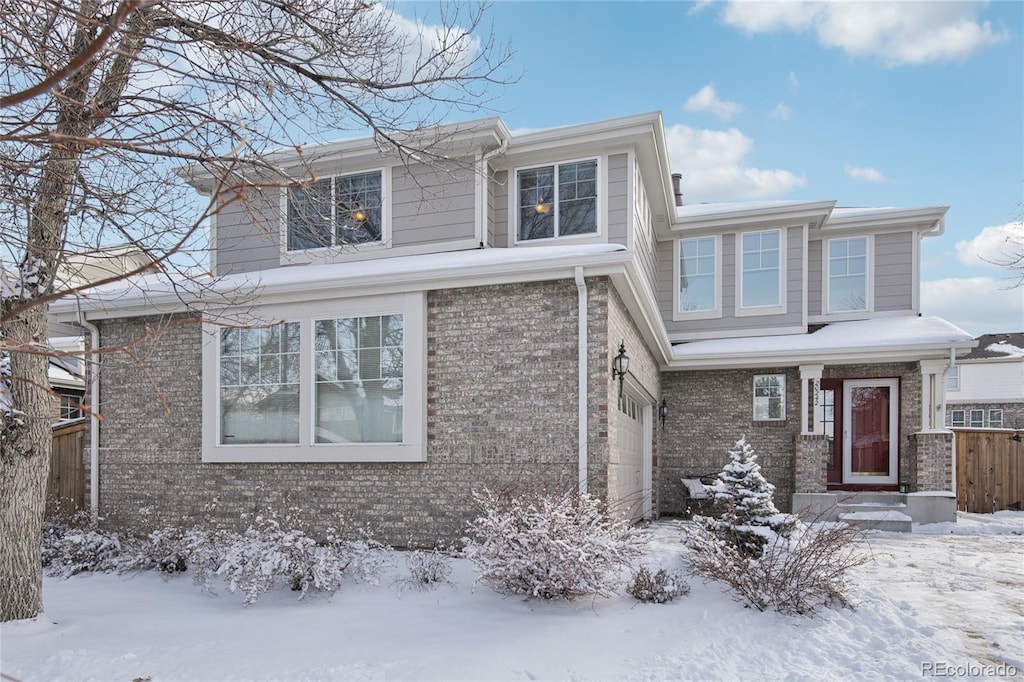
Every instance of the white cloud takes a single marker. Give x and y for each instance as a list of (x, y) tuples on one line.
[(705, 99), (781, 111), (896, 32), (712, 163), (979, 305), (993, 247), (792, 81), (865, 174)]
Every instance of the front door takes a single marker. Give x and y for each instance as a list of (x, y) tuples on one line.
[(870, 431)]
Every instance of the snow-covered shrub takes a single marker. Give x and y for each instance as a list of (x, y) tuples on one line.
[(428, 567), (795, 574), (658, 588), (549, 545), (71, 549)]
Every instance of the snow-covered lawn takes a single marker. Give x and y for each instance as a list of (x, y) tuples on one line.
[(944, 599)]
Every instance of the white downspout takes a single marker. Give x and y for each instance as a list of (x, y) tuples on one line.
[(581, 290), (94, 422), (482, 179)]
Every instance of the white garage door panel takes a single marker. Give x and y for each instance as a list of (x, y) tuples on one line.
[(628, 481)]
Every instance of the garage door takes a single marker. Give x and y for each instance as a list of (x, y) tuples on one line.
[(627, 484)]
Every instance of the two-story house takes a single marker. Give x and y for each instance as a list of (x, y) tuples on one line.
[(387, 335)]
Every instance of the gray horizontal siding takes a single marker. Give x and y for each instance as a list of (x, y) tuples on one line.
[(430, 205), (618, 198), (500, 186), (248, 233), (894, 277), (814, 281)]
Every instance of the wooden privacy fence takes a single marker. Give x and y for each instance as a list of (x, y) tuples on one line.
[(989, 470), (66, 484)]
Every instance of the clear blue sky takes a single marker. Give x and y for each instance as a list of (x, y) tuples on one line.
[(874, 104)]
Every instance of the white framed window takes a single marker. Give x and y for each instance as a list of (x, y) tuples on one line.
[(769, 397), (953, 378), (847, 281), (342, 380), (957, 418), (70, 406), (556, 201), (995, 419), (760, 273), (698, 267), (338, 211), (977, 419)]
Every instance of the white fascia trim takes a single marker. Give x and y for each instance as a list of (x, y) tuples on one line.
[(732, 333), (926, 219), (788, 214), (599, 131), (844, 356), (643, 307), (362, 285)]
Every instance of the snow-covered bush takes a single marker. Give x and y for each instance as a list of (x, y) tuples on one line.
[(658, 588), (71, 546), (795, 574), (428, 568), (549, 545)]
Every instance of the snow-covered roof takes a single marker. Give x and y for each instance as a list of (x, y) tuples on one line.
[(159, 292), (998, 346), (875, 339), (687, 211)]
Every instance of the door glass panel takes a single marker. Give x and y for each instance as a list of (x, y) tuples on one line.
[(869, 431)]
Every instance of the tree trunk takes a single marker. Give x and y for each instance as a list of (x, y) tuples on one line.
[(24, 468)]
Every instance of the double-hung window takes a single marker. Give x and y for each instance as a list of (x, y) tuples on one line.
[(343, 210), (698, 275), (761, 258), (957, 418), (953, 378), (340, 380), (557, 201), (977, 419), (769, 397), (848, 274), (995, 419)]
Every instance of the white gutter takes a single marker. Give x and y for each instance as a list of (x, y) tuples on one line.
[(94, 423), (581, 289), (481, 190)]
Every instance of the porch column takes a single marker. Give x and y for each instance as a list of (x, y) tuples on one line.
[(933, 395), (810, 385)]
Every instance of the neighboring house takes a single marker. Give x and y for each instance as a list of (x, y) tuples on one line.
[(66, 372), (985, 388), (429, 331)]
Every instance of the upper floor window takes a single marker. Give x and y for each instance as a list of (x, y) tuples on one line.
[(847, 274), (338, 211), (953, 378), (698, 274), (761, 269), (557, 201)]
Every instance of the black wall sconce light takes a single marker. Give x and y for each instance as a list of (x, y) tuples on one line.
[(620, 365), (663, 412)]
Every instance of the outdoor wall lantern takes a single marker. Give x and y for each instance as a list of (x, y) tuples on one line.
[(620, 365), (663, 412), (904, 487)]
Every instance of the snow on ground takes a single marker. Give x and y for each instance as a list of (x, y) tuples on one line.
[(947, 596)]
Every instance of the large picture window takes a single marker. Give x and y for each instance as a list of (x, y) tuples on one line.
[(343, 210), (769, 397), (847, 274), (259, 385), (557, 201), (359, 388), (761, 269), (341, 380), (698, 274)]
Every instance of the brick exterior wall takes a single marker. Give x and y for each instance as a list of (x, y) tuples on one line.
[(810, 471), (501, 412), (934, 461), (709, 411)]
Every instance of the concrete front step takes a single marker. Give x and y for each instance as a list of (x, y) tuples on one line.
[(879, 519)]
